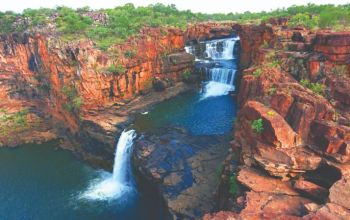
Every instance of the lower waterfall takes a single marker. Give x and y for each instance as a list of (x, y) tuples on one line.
[(120, 182)]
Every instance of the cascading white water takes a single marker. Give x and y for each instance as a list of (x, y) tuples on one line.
[(221, 82), (120, 182), (122, 167), (214, 52), (221, 77)]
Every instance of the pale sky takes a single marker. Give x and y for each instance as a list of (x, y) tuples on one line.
[(208, 6)]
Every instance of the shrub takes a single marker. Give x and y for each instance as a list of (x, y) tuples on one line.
[(258, 126), (70, 22), (304, 19), (317, 88), (233, 185), (270, 113), (37, 16), (257, 72), (265, 45), (130, 53), (116, 69), (74, 100), (11, 122), (340, 70), (272, 90), (274, 63), (334, 16), (186, 75)]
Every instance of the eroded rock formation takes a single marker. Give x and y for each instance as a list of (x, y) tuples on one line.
[(296, 81), (296, 166), (79, 91)]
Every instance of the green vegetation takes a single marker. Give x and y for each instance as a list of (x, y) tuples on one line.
[(219, 170), (37, 16), (233, 185), (258, 126), (335, 17), (272, 59), (274, 63), (69, 21), (340, 70), (130, 53), (116, 69), (74, 100), (317, 88), (265, 45), (272, 90), (124, 21), (10, 122), (186, 75), (257, 72), (270, 113), (304, 19)]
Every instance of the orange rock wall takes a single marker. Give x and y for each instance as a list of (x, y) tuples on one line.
[(37, 68)]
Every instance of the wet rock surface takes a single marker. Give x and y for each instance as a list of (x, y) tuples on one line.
[(184, 167)]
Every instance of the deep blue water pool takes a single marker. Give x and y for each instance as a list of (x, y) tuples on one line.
[(43, 182), (213, 115)]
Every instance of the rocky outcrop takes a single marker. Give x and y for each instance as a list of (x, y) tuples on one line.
[(184, 167), (296, 165), (82, 91)]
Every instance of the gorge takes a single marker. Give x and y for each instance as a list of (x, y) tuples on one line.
[(217, 120)]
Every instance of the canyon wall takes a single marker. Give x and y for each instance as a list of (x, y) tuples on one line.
[(293, 130), (86, 95), (292, 133), (75, 90)]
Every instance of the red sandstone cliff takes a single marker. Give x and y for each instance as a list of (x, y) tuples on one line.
[(50, 79), (297, 167)]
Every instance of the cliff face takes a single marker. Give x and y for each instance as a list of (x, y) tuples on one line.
[(73, 86), (88, 95), (293, 129)]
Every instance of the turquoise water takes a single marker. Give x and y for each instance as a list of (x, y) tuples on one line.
[(44, 182)]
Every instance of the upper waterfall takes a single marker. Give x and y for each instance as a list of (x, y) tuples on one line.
[(221, 49), (217, 58)]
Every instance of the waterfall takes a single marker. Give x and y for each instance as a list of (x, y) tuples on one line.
[(218, 59), (122, 167), (120, 182), (221, 49), (221, 75)]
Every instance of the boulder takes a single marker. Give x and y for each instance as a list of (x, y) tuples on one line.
[(331, 139), (276, 130), (273, 206), (311, 190), (330, 211), (339, 193), (258, 182)]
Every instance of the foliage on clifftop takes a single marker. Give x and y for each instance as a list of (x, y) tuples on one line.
[(110, 26)]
